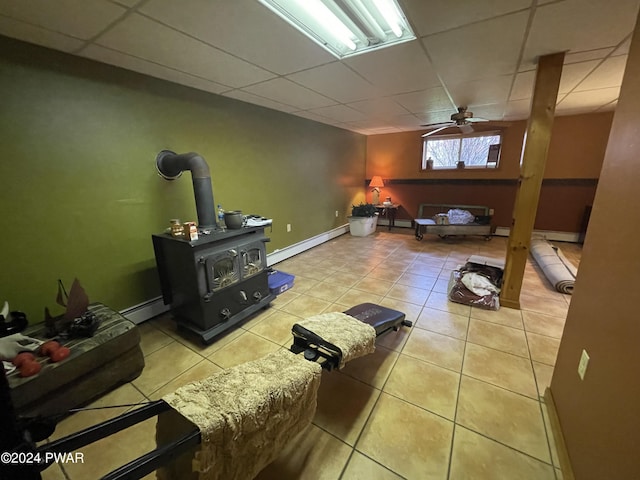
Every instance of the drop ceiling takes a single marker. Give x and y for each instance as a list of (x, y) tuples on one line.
[(479, 53)]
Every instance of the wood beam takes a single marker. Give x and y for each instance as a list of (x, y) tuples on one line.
[(534, 159)]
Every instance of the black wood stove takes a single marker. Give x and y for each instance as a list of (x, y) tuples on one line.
[(216, 281)]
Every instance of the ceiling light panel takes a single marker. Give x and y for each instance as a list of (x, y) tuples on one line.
[(346, 27)]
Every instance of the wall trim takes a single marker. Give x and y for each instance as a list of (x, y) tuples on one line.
[(565, 182), (571, 237), (556, 432), (287, 252), (151, 308), (144, 311)]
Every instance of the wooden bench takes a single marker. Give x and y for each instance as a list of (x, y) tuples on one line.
[(425, 224)]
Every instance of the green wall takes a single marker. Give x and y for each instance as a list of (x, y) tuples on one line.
[(80, 196)]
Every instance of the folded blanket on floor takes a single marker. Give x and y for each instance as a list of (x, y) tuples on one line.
[(246, 414), (353, 337), (555, 266)]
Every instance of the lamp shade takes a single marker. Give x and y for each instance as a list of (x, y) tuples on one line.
[(376, 181)]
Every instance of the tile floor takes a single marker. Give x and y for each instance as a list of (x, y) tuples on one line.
[(458, 396)]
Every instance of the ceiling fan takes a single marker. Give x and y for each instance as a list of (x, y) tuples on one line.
[(463, 119)]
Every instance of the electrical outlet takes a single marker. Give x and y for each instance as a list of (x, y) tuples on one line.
[(288, 227), (491, 211), (336, 213), (584, 363)]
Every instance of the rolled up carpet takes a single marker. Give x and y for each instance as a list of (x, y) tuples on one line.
[(246, 415), (555, 266)]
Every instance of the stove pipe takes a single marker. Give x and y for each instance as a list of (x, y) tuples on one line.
[(170, 166)]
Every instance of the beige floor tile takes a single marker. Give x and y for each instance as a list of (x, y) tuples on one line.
[(441, 286), (361, 269), (355, 297), (327, 291), (499, 368), (109, 453), (543, 376), (443, 322), (498, 337), (504, 416), (435, 348), (373, 369), (425, 385), (425, 270), (312, 455), (54, 472), (440, 301), (345, 279), (508, 317), (394, 340), (374, 286), (277, 328), (386, 274), (245, 348), (344, 404), (123, 395), (164, 365), (555, 459), (410, 441), (413, 279), (543, 349), (547, 306), (199, 371), (303, 284), (408, 294), (361, 467), (152, 339), (543, 324), (285, 298), (304, 306), (478, 458)]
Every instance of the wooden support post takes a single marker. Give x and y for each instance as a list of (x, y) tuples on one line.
[(534, 158)]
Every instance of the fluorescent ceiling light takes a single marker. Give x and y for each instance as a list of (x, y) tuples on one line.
[(346, 27)]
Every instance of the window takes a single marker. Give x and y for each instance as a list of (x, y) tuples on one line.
[(480, 150)]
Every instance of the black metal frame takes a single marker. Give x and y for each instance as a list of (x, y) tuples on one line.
[(16, 434)]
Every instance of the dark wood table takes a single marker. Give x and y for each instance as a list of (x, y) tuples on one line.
[(389, 211)]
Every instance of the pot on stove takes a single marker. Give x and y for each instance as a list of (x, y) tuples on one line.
[(234, 219)]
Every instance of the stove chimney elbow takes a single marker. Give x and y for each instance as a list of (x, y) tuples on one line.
[(170, 166)]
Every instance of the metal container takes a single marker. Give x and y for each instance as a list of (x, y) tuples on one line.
[(233, 219)]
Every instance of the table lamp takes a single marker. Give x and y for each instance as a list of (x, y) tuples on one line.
[(376, 183)]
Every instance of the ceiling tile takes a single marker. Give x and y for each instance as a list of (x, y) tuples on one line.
[(336, 81), (435, 117), (398, 69), (285, 91), (589, 99), (623, 48), (258, 100), (608, 74), (245, 29), (480, 50), (481, 92), (127, 3), (432, 99), (571, 75), (440, 15), (313, 116), (82, 20), (112, 57), (340, 113), (576, 57), (38, 35), (379, 107), (141, 37), (579, 25), (517, 109)]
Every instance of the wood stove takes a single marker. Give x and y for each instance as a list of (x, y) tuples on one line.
[(217, 280)]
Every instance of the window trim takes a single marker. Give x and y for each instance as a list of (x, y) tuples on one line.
[(461, 136)]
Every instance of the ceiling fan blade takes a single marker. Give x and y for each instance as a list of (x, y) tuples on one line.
[(466, 128), (432, 132), (476, 119), (437, 125)]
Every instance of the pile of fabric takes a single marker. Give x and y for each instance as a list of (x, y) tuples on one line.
[(477, 282)]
